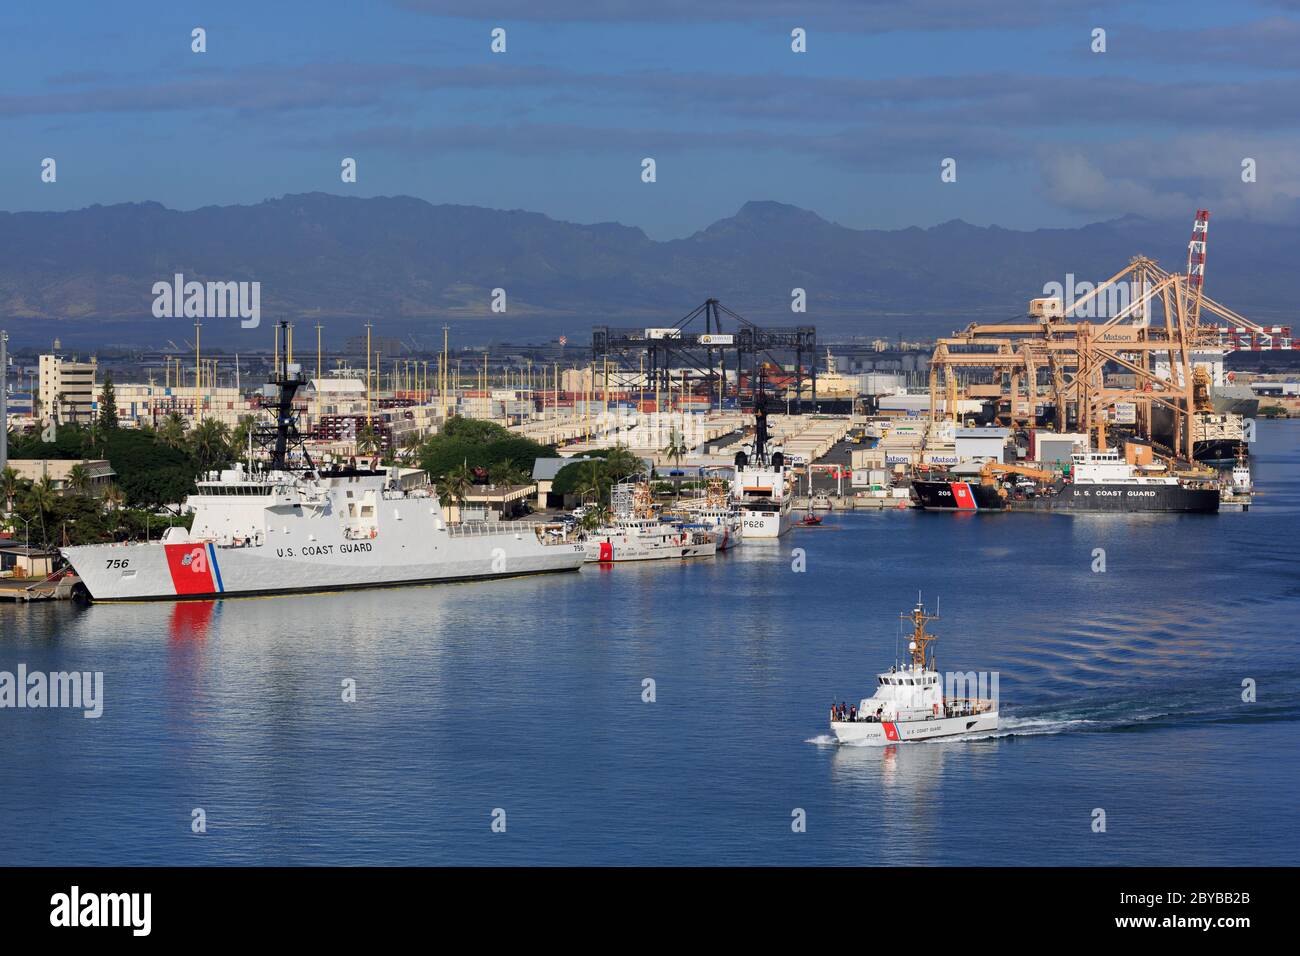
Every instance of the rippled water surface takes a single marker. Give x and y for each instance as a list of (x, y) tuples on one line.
[(1121, 691)]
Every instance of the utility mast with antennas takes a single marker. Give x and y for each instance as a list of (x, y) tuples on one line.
[(918, 646)]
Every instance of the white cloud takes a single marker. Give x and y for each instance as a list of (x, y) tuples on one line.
[(1159, 178)]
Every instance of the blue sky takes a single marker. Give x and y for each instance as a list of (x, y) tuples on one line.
[(1045, 132)]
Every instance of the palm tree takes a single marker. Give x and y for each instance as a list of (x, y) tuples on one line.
[(43, 498), (621, 462), (239, 437), (410, 446), (210, 443), (172, 431), (676, 448), (508, 473), (593, 485), (455, 485), (113, 498), (10, 483), (367, 441), (78, 479), (594, 517)]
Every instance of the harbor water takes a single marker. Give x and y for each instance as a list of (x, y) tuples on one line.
[(1123, 644)]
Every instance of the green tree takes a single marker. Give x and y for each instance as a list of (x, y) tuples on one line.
[(43, 499), (455, 485), (150, 472), (107, 405), (210, 444), (410, 446), (367, 441), (172, 431), (113, 498), (70, 442), (474, 430), (594, 517), (593, 478), (506, 472), (78, 479), (246, 426), (477, 444), (11, 484), (621, 462), (676, 448), (594, 483)]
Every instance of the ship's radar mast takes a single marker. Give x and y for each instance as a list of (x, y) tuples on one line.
[(919, 645), (280, 439)]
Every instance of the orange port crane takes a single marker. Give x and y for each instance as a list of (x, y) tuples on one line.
[(1149, 330)]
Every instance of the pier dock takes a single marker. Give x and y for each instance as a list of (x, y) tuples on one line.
[(22, 590)]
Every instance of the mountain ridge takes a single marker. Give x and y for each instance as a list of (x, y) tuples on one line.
[(354, 259)]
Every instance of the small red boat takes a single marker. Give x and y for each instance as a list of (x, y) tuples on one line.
[(810, 520)]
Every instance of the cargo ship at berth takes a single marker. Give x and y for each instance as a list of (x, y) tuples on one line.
[(287, 530), (1100, 482)]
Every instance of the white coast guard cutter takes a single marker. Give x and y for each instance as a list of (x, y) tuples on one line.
[(909, 702), (298, 529)]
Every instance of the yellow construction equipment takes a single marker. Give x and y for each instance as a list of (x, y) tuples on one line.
[(989, 472)]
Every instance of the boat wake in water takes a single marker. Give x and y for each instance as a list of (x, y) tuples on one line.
[(1128, 716), (1010, 727)]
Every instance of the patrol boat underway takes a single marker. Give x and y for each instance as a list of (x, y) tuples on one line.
[(284, 530), (909, 702)]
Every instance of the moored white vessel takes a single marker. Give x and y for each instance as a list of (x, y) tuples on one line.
[(635, 533), (909, 702), (1241, 481), (762, 489), (725, 525), (289, 530), (715, 513), (645, 539)]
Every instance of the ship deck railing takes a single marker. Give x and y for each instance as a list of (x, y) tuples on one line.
[(485, 529), (968, 706)]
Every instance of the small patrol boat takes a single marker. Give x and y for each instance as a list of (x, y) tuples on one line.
[(635, 533), (910, 701), (1241, 483), (716, 515)]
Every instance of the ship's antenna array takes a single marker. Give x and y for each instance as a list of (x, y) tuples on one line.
[(921, 639), (280, 439)]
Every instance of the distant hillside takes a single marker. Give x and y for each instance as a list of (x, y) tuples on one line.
[(409, 264)]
